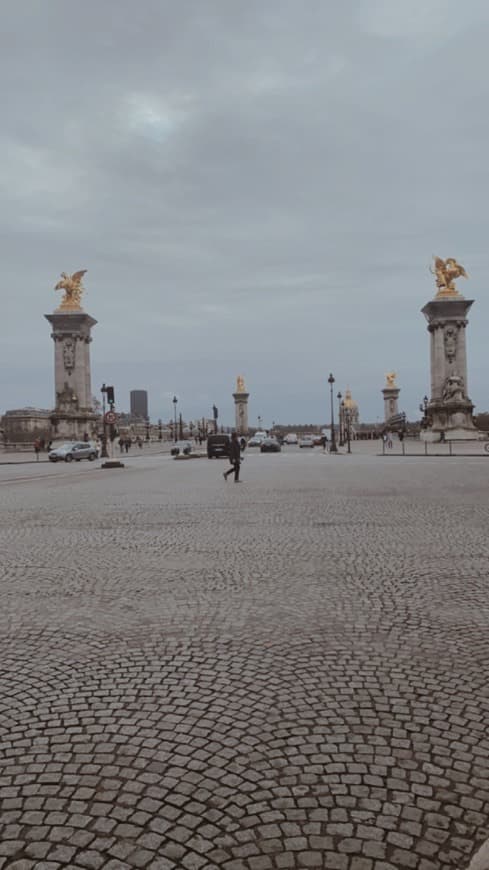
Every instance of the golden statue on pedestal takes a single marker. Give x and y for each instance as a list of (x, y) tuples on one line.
[(446, 271), (390, 380), (72, 285), (240, 384)]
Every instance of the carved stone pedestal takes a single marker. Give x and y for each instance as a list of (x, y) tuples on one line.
[(449, 411), (73, 413), (241, 412), (391, 406)]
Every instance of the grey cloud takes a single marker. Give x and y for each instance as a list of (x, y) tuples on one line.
[(253, 187)]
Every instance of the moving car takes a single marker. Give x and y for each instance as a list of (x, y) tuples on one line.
[(270, 445), (218, 446), (306, 441), (74, 450), (184, 447), (291, 438), (255, 441)]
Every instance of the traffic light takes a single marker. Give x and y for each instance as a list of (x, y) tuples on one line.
[(110, 395)]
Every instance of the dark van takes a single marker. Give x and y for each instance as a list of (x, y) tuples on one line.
[(218, 445)]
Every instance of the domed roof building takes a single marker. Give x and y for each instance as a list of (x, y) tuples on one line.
[(349, 405)]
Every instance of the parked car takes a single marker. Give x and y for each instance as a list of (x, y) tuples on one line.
[(74, 450), (270, 445), (306, 441), (291, 438), (184, 447), (255, 442), (218, 446)]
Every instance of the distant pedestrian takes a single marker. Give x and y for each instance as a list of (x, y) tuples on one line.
[(121, 445), (234, 455), (37, 448), (127, 444)]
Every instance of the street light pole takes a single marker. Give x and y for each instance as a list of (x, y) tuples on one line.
[(348, 429), (104, 454), (175, 400), (333, 448), (341, 419)]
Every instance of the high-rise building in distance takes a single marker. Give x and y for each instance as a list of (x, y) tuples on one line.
[(139, 403)]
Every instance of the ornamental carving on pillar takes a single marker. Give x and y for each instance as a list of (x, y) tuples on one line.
[(66, 398), (453, 389), (69, 354), (450, 342)]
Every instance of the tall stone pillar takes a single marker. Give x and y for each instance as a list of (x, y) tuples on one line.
[(391, 397), (450, 410), (241, 407), (73, 413)]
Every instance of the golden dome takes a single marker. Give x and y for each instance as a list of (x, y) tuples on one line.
[(348, 401)]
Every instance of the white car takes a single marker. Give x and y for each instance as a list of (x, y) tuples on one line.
[(306, 441), (291, 438), (74, 450)]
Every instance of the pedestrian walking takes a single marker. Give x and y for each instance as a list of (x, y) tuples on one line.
[(234, 458), (37, 448)]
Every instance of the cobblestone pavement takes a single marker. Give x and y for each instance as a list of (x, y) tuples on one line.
[(290, 673)]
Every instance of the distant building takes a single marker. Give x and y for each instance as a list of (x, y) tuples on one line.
[(351, 406), (139, 404)]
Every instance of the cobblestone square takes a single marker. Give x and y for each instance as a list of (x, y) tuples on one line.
[(287, 673)]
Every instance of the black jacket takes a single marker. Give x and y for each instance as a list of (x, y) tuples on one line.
[(234, 451)]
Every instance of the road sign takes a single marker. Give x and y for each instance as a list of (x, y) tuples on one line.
[(110, 417)]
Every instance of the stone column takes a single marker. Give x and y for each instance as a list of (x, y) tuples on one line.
[(450, 409), (73, 414), (391, 407), (241, 412)]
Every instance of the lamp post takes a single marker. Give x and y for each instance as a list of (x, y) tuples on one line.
[(147, 430), (259, 422), (341, 419), (160, 433), (104, 454), (348, 428), (175, 401), (333, 448)]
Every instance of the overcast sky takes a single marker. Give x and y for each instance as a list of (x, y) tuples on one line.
[(256, 187)]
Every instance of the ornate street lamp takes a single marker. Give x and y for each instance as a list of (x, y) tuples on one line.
[(104, 454), (341, 419), (175, 400), (348, 428), (333, 448)]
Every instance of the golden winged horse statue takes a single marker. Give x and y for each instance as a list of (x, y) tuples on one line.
[(446, 271), (72, 285)]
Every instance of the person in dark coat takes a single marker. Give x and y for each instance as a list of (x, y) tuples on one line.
[(234, 458)]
